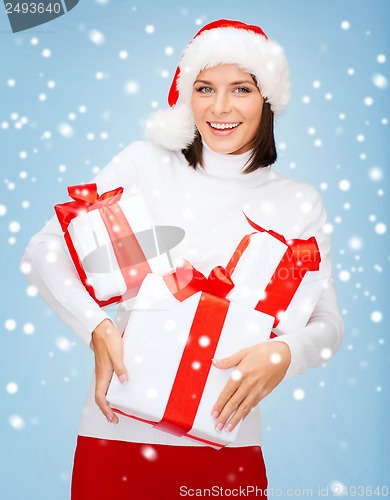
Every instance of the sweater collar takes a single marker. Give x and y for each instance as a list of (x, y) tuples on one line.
[(229, 166)]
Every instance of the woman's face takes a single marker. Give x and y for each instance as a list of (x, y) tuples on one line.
[(227, 95)]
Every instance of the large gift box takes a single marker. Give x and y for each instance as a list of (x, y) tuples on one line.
[(113, 241), (283, 278), (169, 342)]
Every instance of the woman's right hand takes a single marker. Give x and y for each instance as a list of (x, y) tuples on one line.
[(108, 349)]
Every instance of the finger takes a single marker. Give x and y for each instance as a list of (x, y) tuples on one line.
[(103, 379), (227, 392), (230, 407), (230, 361), (114, 345), (244, 408)]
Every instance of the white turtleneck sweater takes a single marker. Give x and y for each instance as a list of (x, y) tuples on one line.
[(207, 203)]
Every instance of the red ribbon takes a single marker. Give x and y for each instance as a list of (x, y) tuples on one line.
[(195, 363), (131, 259), (300, 257)]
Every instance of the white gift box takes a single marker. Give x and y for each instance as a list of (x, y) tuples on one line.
[(93, 245), (154, 342), (256, 267)]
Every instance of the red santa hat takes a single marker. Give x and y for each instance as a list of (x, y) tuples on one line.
[(219, 42)]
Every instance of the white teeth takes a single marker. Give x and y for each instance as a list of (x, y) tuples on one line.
[(223, 126)]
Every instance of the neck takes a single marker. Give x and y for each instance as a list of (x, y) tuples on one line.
[(229, 166)]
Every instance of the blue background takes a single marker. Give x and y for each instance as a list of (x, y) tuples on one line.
[(338, 433)]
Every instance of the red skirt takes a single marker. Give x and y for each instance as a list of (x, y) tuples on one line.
[(106, 469)]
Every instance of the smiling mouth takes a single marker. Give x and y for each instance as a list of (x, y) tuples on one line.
[(224, 126)]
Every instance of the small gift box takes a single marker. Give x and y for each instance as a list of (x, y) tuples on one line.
[(169, 342), (283, 278), (113, 241)]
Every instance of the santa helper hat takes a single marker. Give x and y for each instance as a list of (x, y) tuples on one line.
[(220, 42)]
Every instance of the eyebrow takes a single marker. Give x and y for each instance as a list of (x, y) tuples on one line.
[(233, 83)]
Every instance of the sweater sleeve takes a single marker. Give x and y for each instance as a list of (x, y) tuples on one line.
[(322, 336), (50, 268)]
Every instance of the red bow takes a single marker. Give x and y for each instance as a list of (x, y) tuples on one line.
[(187, 281)]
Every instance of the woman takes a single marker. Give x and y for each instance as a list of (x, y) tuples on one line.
[(208, 160)]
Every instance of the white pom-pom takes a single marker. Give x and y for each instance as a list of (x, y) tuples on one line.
[(172, 128)]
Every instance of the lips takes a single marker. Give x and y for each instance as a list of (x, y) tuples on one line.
[(223, 132)]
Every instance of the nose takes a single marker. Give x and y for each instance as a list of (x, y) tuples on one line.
[(221, 103)]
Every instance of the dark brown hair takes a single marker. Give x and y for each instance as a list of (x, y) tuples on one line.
[(264, 149)]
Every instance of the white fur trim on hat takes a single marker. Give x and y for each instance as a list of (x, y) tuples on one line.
[(174, 128)]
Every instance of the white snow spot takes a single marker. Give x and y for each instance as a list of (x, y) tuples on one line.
[(204, 341), (326, 353), (97, 37), (344, 275), (380, 81), (149, 29), (65, 130), (132, 87), (375, 174), (368, 101), (34, 40), (3, 210), (345, 25), (169, 325), (16, 422), (168, 51), (12, 388), (380, 228), (381, 58), (236, 375), (149, 453), (311, 130), (14, 227), (99, 75), (328, 228), (275, 358), (63, 344), (82, 109), (355, 243), (299, 394), (23, 155), (196, 365), (28, 328), (351, 71), (25, 267), (10, 324), (376, 316), (344, 185), (123, 54), (305, 99), (46, 53), (316, 84), (32, 291), (11, 82)]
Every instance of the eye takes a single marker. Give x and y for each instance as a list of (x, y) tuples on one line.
[(243, 90), (204, 90)]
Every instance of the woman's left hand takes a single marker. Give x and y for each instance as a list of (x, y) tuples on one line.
[(259, 369)]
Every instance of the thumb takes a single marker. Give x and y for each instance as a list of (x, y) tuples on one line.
[(230, 361)]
